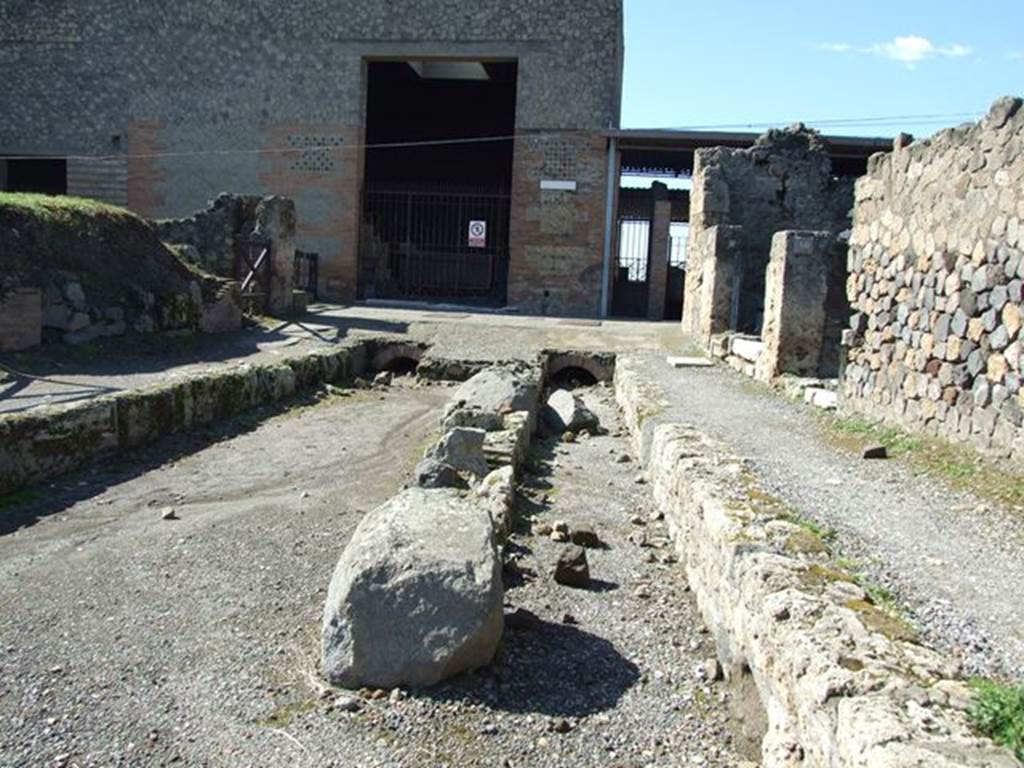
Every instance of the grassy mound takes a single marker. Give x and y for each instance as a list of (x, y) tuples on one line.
[(114, 253)]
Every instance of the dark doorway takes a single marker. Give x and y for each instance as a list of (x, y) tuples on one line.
[(633, 236), (47, 176), (437, 181)]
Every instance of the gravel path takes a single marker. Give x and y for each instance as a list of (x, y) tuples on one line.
[(957, 564), (130, 640)]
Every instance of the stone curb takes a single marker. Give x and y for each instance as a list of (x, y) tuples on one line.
[(48, 441), (840, 680)]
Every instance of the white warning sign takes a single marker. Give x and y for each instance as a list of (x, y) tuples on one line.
[(478, 234)]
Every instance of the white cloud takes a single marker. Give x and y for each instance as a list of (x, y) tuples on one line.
[(907, 49), (1015, 55)]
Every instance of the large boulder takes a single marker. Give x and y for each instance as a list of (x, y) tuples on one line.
[(417, 595), (565, 412), (483, 400)]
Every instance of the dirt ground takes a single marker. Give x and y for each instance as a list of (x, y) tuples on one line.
[(131, 640)]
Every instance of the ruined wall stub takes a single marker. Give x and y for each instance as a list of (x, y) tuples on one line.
[(783, 182), (710, 282), (796, 286), (936, 273), (191, 96), (657, 259)]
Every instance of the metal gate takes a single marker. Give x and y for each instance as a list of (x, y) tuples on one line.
[(416, 243), (633, 233)]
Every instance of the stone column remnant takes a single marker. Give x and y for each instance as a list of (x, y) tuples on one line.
[(796, 286), (720, 249), (657, 259), (275, 220)]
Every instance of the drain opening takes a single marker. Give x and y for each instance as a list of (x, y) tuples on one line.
[(572, 377)]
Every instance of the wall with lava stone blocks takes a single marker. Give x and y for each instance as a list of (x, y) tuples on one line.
[(936, 284)]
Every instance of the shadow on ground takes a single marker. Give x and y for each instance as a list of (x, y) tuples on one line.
[(556, 670)]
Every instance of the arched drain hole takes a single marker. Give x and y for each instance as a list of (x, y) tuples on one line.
[(401, 366), (572, 377)]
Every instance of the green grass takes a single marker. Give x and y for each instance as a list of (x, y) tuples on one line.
[(958, 466), (998, 713), (59, 207)]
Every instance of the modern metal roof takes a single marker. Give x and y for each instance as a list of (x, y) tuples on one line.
[(654, 151)]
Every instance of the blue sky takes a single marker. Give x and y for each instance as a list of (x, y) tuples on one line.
[(739, 62)]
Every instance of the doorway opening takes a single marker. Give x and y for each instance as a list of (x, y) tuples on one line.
[(438, 180), (48, 176)]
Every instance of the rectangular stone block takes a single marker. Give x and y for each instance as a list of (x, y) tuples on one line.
[(796, 288), (707, 307), (21, 320)]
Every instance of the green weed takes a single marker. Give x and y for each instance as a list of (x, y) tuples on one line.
[(998, 713)]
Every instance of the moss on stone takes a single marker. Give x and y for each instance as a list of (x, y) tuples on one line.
[(804, 542), (877, 620)]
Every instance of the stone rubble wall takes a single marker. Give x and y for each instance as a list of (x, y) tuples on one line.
[(50, 440), (212, 238), (783, 182), (72, 316), (936, 284), (843, 683)]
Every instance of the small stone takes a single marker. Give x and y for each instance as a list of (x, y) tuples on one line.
[(542, 529), (383, 379), (568, 437), (709, 671), (396, 695), (561, 725), (169, 513), (875, 451), (638, 520), (559, 537), (572, 569), (346, 704), (623, 458), (568, 618)]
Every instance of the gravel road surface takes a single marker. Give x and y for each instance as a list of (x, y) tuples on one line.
[(132, 640)]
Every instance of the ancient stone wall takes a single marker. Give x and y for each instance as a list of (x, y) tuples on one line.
[(936, 273), (783, 182), (212, 238), (843, 683), (102, 272), (48, 441)]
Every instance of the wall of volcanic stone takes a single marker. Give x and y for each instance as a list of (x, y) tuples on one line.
[(936, 284)]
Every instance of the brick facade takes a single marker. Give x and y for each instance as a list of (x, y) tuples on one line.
[(202, 96)]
